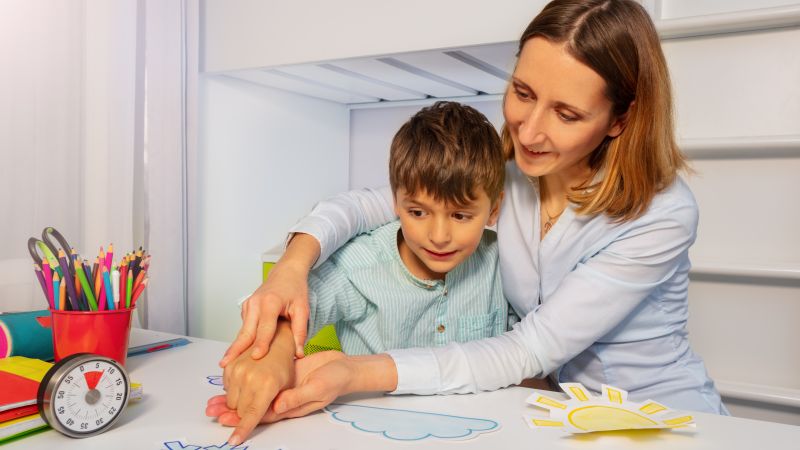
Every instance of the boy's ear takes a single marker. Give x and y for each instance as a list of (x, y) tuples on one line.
[(495, 212)]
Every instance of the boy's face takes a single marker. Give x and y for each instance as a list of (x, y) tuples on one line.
[(438, 236)]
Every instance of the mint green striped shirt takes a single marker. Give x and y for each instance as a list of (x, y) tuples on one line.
[(377, 305)]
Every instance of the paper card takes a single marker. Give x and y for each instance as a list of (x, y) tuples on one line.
[(408, 425), (585, 412)]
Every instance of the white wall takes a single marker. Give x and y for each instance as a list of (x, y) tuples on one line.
[(264, 158)]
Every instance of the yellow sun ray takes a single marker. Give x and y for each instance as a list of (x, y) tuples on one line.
[(576, 391), (652, 408)]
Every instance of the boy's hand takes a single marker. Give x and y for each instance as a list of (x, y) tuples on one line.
[(245, 422), (283, 294), (252, 384)]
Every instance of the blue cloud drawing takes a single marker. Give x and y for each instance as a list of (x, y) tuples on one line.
[(407, 425), (179, 445)]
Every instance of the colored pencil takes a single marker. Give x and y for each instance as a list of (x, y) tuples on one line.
[(48, 281), (137, 263), (138, 292), (138, 280), (109, 293), (110, 256), (40, 277), (99, 292), (56, 291), (94, 276), (62, 292), (87, 271), (128, 290), (123, 280), (68, 280), (86, 288), (115, 287)]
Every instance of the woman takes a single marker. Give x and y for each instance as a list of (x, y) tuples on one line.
[(594, 233)]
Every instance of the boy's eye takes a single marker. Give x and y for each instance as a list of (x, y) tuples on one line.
[(461, 216), (416, 212)]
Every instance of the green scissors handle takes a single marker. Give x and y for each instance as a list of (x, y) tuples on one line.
[(49, 250)]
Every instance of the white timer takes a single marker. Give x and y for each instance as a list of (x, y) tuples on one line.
[(83, 394)]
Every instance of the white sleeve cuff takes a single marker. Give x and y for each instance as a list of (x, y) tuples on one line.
[(417, 371)]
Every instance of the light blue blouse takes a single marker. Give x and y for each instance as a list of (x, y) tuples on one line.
[(602, 302)]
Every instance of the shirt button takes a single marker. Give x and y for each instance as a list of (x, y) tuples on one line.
[(440, 328), (445, 292)]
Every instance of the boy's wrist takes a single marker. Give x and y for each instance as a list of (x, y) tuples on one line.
[(283, 341)]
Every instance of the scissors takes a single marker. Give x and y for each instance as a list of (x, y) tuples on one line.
[(50, 251)]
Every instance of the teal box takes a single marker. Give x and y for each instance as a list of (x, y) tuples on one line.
[(26, 334)]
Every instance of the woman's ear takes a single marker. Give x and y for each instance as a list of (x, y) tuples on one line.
[(495, 212), (618, 126)]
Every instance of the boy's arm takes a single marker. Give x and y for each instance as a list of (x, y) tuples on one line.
[(252, 384)]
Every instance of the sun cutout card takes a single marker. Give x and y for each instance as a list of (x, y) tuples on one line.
[(586, 413)]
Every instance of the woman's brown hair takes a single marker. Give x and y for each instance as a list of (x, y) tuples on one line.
[(617, 39)]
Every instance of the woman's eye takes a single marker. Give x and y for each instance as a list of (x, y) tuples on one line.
[(521, 94), (567, 117)]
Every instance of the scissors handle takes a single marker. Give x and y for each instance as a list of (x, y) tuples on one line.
[(32, 244), (50, 231)]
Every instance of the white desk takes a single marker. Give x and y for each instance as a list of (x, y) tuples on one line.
[(176, 390)]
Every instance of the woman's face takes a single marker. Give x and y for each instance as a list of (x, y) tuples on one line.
[(556, 112)]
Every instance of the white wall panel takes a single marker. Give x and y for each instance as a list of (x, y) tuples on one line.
[(741, 84), (749, 214), (265, 157), (746, 331), (254, 33), (683, 8)]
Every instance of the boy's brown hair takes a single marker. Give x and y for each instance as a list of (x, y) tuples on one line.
[(448, 150)]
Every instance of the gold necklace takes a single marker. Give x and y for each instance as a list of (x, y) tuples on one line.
[(550, 219)]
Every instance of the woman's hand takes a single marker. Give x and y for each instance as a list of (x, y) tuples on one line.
[(321, 378), (283, 294), (260, 387), (251, 385), (319, 385)]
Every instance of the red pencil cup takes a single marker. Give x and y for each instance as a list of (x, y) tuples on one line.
[(104, 333)]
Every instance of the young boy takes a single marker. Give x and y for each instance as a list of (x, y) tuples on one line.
[(432, 277)]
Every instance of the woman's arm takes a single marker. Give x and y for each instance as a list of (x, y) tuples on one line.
[(591, 301), (284, 293), (337, 220)]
